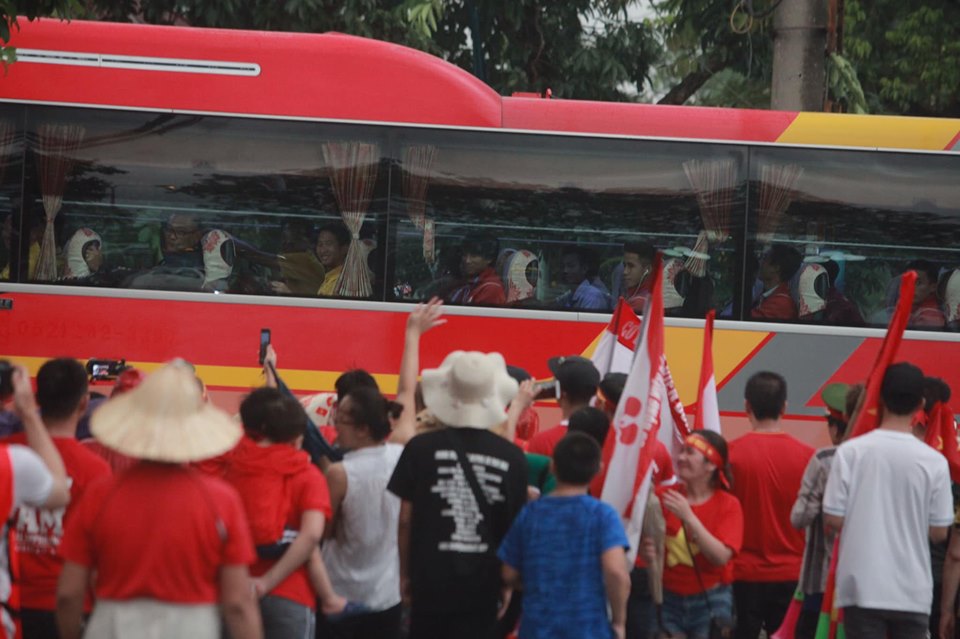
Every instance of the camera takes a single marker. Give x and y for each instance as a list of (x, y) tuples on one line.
[(101, 370), (6, 379)]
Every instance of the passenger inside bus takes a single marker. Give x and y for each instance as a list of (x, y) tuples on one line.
[(950, 284), (181, 242), (480, 283), (586, 291), (926, 306), (84, 254), (333, 241), (219, 255), (839, 310), (638, 260), (777, 267), (302, 271)]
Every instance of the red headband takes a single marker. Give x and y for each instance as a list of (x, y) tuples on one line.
[(711, 454)]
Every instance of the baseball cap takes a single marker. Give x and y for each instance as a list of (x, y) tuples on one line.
[(835, 396), (575, 372)]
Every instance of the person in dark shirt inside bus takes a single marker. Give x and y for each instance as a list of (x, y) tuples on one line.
[(840, 310), (181, 242), (478, 254), (587, 292), (926, 306), (777, 267), (638, 260)]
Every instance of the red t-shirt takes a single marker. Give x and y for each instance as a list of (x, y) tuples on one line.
[(928, 314), (152, 532), (545, 441), (722, 516), (767, 469), (39, 531), (484, 288), (779, 305), (253, 469)]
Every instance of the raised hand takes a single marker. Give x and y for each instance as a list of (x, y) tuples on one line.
[(425, 316)]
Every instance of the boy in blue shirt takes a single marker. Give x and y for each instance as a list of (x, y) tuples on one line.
[(566, 552)]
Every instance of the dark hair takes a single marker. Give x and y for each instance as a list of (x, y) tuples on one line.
[(371, 409), (482, 244), (590, 421), (902, 388), (338, 230), (766, 394), (61, 387), (720, 444), (612, 386), (787, 260), (273, 414), (576, 459), (353, 379), (643, 250), (586, 257), (924, 266), (934, 390)]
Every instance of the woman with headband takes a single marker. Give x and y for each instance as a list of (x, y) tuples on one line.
[(704, 532)]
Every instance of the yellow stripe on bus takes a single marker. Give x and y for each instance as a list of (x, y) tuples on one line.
[(890, 132)]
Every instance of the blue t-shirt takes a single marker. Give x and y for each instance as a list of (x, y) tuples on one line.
[(556, 543)]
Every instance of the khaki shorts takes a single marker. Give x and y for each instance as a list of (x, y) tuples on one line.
[(152, 619)]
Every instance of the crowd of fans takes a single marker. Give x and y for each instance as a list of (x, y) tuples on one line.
[(448, 512)]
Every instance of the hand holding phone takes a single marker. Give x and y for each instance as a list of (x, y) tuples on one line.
[(264, 342)]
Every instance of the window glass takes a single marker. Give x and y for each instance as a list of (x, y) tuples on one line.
[(849, 223), (541, 221), (11, 177), (194, 203)]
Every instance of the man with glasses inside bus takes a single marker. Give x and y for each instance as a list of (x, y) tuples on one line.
[(181, 242)]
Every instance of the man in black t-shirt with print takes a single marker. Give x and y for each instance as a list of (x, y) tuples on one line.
[(453, 518)]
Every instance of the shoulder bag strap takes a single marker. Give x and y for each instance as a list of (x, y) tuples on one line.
[(468, 473), (696, 570)]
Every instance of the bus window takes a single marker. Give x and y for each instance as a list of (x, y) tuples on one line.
[(197, 203), (831, 231), (536, 221), (11, 163)]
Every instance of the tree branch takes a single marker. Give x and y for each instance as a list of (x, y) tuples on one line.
[(692, 82)]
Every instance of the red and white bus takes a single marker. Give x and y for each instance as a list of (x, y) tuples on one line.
[(151, 137)]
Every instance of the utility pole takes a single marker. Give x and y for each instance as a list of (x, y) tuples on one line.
[(799, 55)]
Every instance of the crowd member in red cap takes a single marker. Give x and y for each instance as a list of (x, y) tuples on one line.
[(767, 465), (841, 401), (704, 534), (576, 382), (62, 397)]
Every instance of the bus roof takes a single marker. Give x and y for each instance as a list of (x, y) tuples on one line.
[(341, 77)]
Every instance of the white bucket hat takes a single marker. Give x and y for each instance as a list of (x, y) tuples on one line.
[(165, 419), (470, 389)]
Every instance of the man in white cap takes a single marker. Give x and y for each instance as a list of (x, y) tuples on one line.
[(460, 489)]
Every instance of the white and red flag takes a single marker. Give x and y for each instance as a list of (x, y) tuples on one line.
[(614, 352), (645, 408), (708, 408)]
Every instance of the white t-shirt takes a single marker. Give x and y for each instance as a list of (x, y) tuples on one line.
[(890, 488)]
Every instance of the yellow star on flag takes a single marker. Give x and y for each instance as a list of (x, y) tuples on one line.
[(678, 552)]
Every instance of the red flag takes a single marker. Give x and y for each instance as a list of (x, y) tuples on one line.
[(708, 408), (614, 352), (942, 435), (867, 415), (644, 405)]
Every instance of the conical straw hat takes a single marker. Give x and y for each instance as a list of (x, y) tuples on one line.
[(165, 419)]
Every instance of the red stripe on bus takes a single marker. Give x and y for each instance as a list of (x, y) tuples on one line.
[(745, 360)]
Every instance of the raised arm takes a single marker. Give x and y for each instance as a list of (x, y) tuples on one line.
[(716, 552), (270, 365), (423, 318), (39, 439), (520, 403)]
